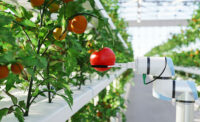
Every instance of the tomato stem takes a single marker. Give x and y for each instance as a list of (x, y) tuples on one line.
[(48, 84), (29, 102)]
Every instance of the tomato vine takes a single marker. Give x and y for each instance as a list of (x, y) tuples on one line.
[(52, 64)]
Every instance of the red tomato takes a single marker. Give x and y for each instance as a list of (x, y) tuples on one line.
[(104, 56)]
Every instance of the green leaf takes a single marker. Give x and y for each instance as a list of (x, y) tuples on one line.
[(36, 91), (53, 63), (4, 20), (3, 112), (42, 62), (42, 94), (43, 31), (21, 12), (30, 71), (22, 104), (1, 97), (28, 59), (28, 23), (19, 115), (9, 57), (68, 92), (10, 82), (13, 98), (66, 99)]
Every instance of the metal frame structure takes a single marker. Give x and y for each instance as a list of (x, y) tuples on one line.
[(165, 12)]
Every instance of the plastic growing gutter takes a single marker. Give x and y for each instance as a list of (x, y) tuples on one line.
[(191, 70), (103, 12), (59, 110)]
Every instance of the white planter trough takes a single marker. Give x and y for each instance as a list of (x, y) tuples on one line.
[(59, 111)]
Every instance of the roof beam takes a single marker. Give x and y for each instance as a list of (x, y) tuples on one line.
[(150, 23)]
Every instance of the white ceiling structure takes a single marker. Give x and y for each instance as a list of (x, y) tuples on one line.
[(151, 22)]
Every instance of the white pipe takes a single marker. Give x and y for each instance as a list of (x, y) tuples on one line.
[(184, 111)]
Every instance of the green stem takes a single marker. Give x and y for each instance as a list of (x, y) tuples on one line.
[(29, 94), (27, 36), (49, 93), (39, 94), (48, 85), (28, 103)]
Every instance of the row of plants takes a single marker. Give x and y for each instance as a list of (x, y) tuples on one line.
[(187, 59), (45, 52), (182, 39), (172, 47), (191, 58)]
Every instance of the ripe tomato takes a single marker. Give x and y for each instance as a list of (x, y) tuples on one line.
[(103, 57), (37, 3), (78, 24), (4, 72), (17, 68)]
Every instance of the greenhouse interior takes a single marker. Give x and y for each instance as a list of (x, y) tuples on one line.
[(99, 60)]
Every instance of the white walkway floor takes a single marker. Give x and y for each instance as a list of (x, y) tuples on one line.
[(143, 107)]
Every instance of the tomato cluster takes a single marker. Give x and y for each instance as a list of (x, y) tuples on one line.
[(16, 68)]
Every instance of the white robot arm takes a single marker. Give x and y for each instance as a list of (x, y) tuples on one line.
[(165, 88)]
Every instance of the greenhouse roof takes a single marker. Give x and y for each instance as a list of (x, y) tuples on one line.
[(151, 22), (157, 9)]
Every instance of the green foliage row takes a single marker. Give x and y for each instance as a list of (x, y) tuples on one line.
[(189, 35), (184, 39), (186, 58)]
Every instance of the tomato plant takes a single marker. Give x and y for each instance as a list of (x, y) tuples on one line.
[(42, 52)]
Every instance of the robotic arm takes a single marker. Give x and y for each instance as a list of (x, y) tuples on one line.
[(164, 87)]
